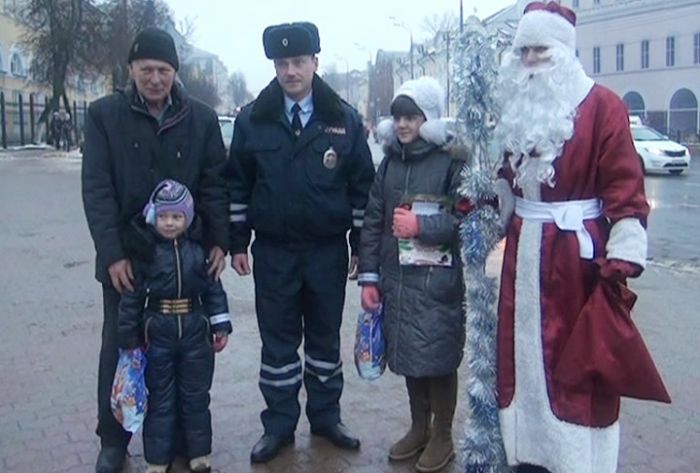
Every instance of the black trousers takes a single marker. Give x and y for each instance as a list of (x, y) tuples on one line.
[(109, 430), (299, 294), (179, 374)]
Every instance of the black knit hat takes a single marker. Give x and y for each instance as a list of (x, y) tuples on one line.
[(405, 106), (154, 43), (291, 39)]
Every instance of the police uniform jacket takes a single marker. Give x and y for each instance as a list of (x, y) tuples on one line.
[(298, 189)]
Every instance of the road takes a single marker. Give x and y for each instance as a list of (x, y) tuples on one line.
[(50, 330)]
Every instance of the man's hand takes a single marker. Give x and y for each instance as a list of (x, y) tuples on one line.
[(405, 224), (121, 275), (239, 263), (217, 262), (352, 268), (370, 297), (220, 341)]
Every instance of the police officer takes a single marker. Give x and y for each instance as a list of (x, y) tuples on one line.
[(300, 173)]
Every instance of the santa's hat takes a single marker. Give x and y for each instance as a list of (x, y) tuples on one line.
[(546, 24)]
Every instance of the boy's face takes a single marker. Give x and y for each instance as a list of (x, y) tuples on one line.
[(170, 224), (408, 127)]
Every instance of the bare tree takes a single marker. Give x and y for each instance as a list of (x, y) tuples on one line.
[(437, 24), (238, 89), (60, 42)]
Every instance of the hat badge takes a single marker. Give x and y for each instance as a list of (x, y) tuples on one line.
[(285, 42)]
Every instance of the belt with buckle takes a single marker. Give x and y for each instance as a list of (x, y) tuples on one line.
[(173, 306)]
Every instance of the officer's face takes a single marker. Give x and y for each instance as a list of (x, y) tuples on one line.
[(407, 127), (153, 79), (295, 75)]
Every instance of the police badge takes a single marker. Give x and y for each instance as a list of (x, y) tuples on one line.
[(330, 158)]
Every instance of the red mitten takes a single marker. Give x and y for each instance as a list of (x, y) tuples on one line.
[(370, 297), (405, 223), (617, 270)]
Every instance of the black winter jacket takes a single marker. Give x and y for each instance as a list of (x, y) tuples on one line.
[(298, 189), (424, 318), (177, 270), (127, 153)]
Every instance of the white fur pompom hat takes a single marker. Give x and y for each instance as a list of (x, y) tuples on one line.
[(429, 97)]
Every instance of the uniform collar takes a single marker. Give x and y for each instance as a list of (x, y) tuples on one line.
[(306, 104)]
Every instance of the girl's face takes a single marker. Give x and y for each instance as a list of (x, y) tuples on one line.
[(407, 127), (170, 224)]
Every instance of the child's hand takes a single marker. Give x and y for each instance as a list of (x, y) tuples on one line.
[(220, 341), (405, 224)]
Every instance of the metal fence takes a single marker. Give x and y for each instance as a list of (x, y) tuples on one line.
[(25, 121)]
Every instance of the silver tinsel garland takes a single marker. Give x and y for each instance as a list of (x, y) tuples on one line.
[(475, 74)]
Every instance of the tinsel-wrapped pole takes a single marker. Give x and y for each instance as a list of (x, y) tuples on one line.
[(475, 74)]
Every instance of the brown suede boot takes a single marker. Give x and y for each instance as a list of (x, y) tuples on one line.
[(415, 439), (440, 450)]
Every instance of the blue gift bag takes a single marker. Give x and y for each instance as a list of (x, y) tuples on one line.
[(370, 357), (129, 394)]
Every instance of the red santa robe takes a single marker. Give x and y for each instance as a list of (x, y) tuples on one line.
[(545, 283)]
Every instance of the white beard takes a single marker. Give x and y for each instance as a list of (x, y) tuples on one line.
[(539, 106)]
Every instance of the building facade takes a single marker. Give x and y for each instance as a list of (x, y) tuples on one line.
[(648, 52), (24, 99)]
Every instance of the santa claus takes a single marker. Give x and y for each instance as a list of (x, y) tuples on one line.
[(578, 231)]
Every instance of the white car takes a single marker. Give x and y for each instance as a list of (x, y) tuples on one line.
[(226, 124), (658, 153)]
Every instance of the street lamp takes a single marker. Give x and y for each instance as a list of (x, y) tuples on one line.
[(402, 24), (362, 47)]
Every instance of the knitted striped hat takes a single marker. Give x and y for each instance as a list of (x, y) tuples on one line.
[(169, 195)]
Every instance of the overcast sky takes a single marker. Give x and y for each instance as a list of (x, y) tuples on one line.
[(349, 29)]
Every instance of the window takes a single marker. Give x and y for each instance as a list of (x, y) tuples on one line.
[(645, 54), (596, 2), (16, 66), (596, 60), (670, 51), (620, 57), (696, 48), (576, 52), (575, 4)]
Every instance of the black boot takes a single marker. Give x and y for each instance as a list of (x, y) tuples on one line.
[(268, 447), (110, 459)]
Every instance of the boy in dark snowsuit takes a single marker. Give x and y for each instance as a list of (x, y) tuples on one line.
[(181, 314)]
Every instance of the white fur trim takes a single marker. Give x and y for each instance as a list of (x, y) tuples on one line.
[(506, 201), (628, 242), (434, 131), (385, 131), (427, 93), (531, 432), (544, 28), (220, 318)]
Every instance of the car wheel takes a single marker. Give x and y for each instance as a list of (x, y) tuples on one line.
[(676, 172)]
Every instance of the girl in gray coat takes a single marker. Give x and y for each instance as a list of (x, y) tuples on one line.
[(410, 261)]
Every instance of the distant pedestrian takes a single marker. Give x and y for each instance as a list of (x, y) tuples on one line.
[(300, 173), (134, 139), (410, 261), (181, 315)]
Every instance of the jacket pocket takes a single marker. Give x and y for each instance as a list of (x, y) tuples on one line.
[(325, 165), (444, 284)]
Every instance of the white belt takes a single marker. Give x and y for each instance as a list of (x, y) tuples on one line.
[(567, 216)]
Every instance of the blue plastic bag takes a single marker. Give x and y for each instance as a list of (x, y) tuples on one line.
[(129, 394), (370, 358)]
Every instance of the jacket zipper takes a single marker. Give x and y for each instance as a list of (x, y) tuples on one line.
[(179, 286), (405, 190)]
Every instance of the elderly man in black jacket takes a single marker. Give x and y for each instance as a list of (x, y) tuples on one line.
[(133, 139), (300, 173)]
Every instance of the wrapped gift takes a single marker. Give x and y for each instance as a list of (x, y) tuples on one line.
[(370, 357), (129, 394)]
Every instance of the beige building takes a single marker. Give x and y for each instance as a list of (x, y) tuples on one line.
[(648, 51), (17, 86)]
